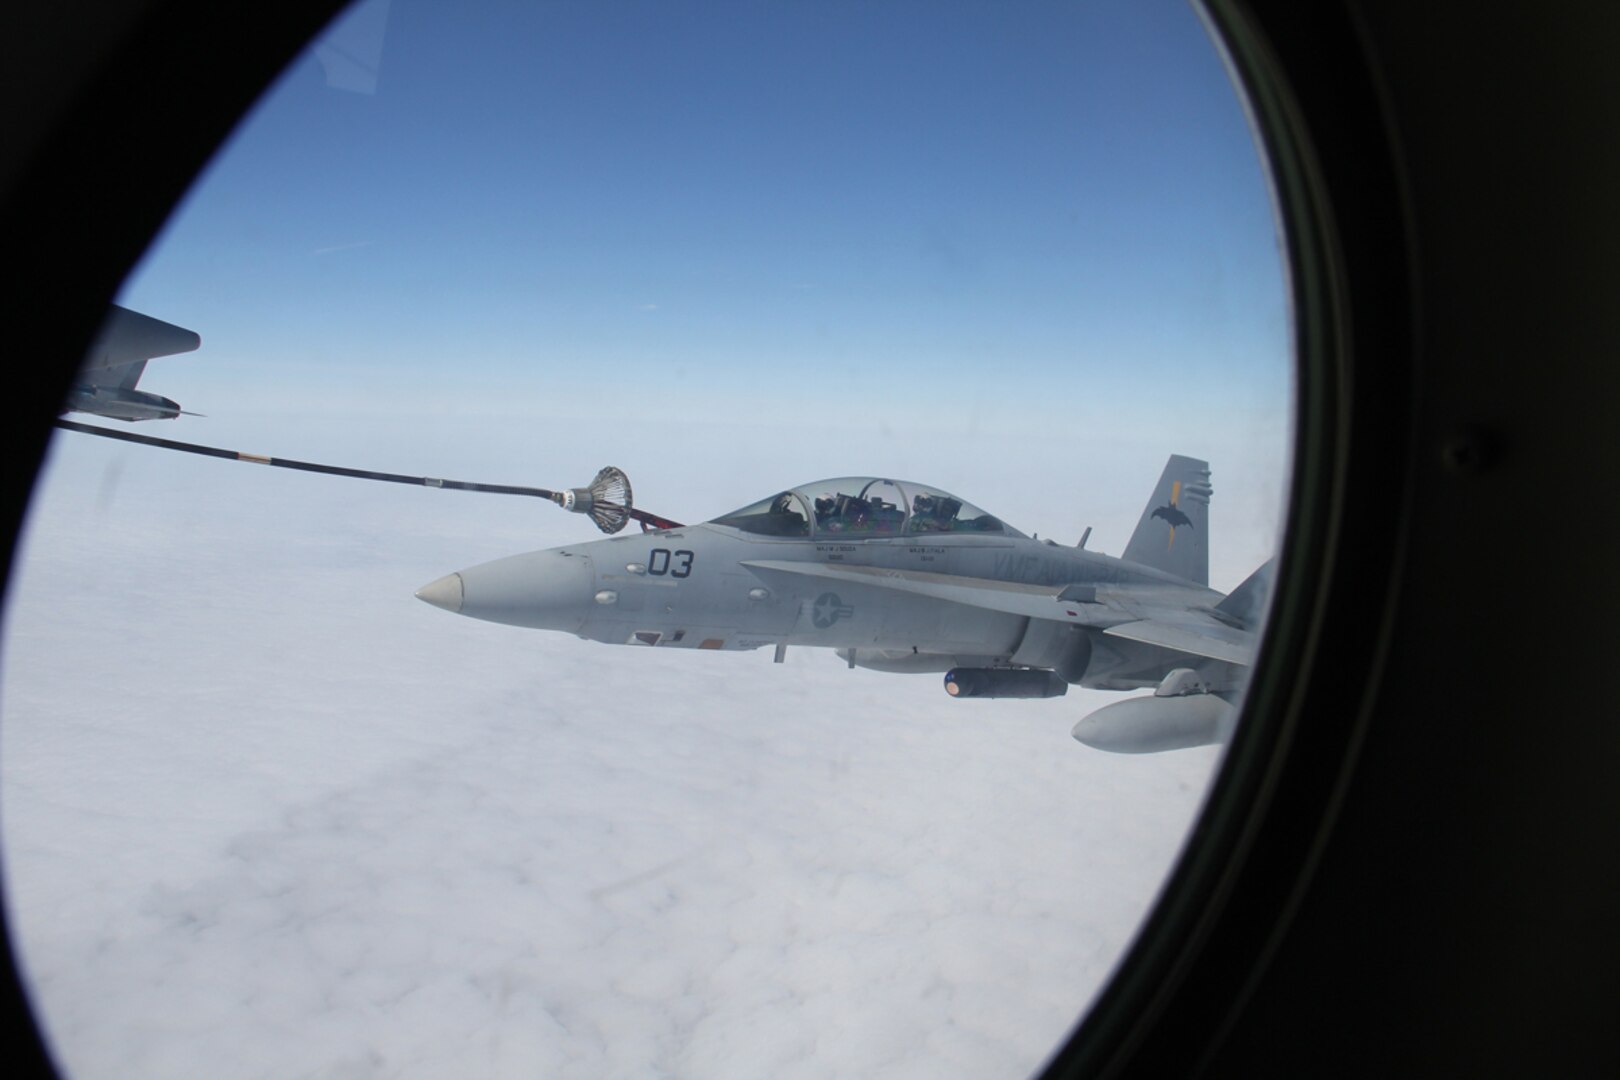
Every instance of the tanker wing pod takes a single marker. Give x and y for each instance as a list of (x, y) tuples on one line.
[(115, 362)]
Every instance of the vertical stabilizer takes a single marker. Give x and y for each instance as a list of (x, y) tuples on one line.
[(1173, 534)]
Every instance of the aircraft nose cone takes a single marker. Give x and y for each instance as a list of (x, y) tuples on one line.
[(444, 593), (546, 590)]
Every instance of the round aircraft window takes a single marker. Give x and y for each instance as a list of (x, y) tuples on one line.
[(455, 781)]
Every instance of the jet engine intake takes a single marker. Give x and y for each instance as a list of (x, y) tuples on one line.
[(1004, 683), (1051, 644)]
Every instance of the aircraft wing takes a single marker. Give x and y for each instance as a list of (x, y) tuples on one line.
[(1190, 632), (126, 342), (1166, 616)]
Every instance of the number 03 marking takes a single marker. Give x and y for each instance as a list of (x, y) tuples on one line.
[(676, 564)]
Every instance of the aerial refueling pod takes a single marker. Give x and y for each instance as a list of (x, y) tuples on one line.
[(1004, 682), (119, 404)]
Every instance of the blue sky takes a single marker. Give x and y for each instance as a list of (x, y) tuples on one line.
[(727, 201)]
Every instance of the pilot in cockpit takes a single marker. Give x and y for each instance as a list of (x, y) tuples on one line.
[(852, 512), (934, 513)]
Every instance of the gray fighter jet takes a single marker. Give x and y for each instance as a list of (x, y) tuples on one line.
[(114, 364), (903, 577)]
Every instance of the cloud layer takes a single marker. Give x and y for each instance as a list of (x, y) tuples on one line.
[(267, 815)]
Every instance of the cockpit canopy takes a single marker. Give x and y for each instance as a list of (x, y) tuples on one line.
[(863, 507)]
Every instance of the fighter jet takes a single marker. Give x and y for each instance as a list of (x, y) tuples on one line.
[(903, 577), (106, 382)]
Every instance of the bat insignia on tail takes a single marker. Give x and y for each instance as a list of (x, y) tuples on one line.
[(1174, 515), (1180, 498)]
